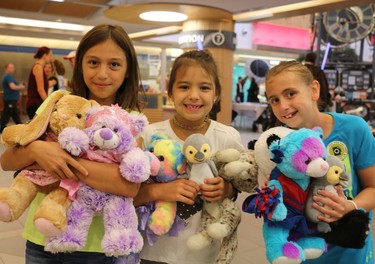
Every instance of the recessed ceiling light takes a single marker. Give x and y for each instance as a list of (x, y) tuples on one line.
[(163, 16)]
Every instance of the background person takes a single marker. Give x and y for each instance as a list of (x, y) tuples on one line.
[(11, 96), (37, 86)]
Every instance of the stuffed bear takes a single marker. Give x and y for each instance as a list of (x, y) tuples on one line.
[(61, 110), (110, 136), (159, 217), (298, 156), (240, 169)]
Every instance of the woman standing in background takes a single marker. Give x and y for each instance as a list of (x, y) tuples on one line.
[(37, 89)]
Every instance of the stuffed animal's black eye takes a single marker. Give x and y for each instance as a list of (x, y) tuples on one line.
[(79, 116), (308, 161), (161, 158), (151, 150), (103, 126), (115, 130)]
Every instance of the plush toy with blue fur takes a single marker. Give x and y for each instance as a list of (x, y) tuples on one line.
[(298, 156)]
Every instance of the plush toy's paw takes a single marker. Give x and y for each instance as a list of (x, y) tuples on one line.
[(5, 214), (135, 166), (291, 254), (235, 168), (280, 212), (323, 227), (64, 243), (122, 242), (46, 227), (162, 219), (285, 260), (227, 155), (74, 140), (197, 242), (313, 247), (217, 230)]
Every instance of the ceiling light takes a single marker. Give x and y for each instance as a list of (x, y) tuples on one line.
[(163, 16), (42, 24)]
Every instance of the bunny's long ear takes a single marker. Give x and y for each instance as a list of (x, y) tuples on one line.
[(23, 134)]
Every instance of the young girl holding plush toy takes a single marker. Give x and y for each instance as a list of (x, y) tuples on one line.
[(293, 95), (193, 87), (106, 71)]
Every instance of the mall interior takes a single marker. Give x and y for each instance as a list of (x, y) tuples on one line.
[(246, 39)]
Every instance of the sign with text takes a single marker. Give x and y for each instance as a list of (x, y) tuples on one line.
[(207, 39)]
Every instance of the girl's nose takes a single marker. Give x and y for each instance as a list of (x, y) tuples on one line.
[(284, 104), (102, 72), (193, 93)]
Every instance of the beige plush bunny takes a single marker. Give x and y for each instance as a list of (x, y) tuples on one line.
[(61, 110)]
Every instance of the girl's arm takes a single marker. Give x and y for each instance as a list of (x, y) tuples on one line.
[(180, 190), (46, 155), (106, 177), (39, 77)]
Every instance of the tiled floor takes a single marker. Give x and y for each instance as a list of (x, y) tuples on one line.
[(250, 249)]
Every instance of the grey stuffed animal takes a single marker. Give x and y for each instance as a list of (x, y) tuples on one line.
[(222, 225), (335, 175)]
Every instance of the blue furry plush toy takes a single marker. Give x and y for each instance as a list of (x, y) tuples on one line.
[(298, 156)]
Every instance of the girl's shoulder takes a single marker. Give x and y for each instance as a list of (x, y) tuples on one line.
[(217, 126), (349, 120)]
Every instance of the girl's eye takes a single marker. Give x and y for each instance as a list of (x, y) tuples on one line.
[(274, 101), (183, 87), (206, 88), (291, 94), (92, 62), (115, 65)]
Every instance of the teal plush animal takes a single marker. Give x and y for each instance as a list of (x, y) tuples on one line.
[(298, 156)]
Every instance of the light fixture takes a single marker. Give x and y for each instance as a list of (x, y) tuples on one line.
[(163, 16), (42, 24), (155, 32)]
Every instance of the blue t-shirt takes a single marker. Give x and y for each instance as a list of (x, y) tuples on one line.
[(9, 94), (352, 141)]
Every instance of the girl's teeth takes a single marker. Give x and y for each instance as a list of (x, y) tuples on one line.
[(288, 116)]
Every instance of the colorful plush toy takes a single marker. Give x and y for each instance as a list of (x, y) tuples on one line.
[(172, 164), (335, 175), (61, 110), (298, 156), (110, 136), (240, 169)]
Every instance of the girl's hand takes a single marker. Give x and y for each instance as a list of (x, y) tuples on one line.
[(180, 190), (334, 207), (53, 159), (215, 189)]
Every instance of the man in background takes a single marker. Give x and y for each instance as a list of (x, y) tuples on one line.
[(71, 57), (11, 96)]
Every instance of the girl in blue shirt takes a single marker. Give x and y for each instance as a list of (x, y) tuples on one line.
[(293, 95)]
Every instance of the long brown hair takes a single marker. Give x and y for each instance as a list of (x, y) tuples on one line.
[(128, 94)]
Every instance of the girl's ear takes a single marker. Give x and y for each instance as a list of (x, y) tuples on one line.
[(315, 90)]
